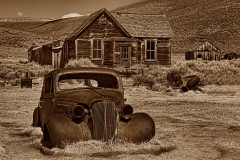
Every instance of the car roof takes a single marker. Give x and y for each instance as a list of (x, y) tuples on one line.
[(85, 70)]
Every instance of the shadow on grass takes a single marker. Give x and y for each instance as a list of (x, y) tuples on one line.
[(150, 151), (97, 149)]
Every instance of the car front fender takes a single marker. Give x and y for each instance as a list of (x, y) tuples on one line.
[(61, 129), (138, 128)]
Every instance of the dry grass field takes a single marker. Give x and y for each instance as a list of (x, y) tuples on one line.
[(188, 126)]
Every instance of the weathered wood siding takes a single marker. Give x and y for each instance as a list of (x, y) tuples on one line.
[(163, 52), (71, 49), (83, 48), (56, 55), (133, 56), (34, 55), (189, 55), (118, 61), (207, 55), (65, 55), (116, 54), (139, 52), (46, 56), (102, 28), (207, 51), (108, 53), (133, 53)]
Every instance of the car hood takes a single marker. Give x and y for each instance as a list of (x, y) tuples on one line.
[(88, 96)]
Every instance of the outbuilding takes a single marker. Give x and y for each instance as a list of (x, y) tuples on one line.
[(203, 50), (44, 54)]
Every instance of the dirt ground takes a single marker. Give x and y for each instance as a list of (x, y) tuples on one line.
[(193, 125)]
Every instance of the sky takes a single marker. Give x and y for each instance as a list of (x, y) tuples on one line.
[(56, 9)]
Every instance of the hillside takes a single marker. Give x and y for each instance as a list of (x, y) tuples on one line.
[(15, 32), (61, 28), (218, 21)]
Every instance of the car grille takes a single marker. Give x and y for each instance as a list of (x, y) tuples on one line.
[(104, 120)]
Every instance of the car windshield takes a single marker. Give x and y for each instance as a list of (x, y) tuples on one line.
[(87, 80)]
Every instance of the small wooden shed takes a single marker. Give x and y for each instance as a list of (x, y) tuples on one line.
[(43, 54), (204, 50)]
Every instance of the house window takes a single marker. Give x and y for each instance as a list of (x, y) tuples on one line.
[(150, 50), (124, 52), (97, 49)]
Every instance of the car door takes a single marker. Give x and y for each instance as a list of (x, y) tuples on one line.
[(46, 100)]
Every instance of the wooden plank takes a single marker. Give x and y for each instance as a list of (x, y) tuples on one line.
[(108, 53), (164, 50), (83, 48), (164, 62), (100, 31)]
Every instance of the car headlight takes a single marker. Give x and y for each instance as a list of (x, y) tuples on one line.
[(79, 111), (127, 110)]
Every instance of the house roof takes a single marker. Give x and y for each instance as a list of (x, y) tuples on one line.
[(91, 19), (204, 45), (145, 25), (131, 25)]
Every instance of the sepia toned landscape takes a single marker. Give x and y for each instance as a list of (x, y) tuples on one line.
[(189, 125)]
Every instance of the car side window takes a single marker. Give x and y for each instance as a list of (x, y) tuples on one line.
[(48, 85)]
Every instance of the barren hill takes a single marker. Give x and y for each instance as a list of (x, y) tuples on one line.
[(61, 28), (15, 32)]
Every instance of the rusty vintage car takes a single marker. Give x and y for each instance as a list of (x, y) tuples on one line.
[(78, 104)]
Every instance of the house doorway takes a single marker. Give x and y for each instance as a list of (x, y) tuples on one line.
[(125, 54)]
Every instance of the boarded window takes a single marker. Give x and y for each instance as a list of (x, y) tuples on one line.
[(150, 50), (124, 52), (97, 49)]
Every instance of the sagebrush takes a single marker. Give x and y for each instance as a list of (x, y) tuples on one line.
[(223, 72), (12, 71)]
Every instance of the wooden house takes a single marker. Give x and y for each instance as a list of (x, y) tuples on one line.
[(204, 50), (120, 39), (43, 54)]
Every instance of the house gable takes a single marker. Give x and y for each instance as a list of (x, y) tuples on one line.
[(206, 46), (104, 18), (102, 27)]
